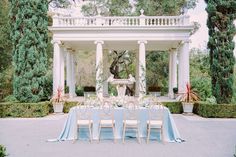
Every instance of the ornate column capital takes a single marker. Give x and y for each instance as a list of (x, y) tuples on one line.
[(70, 50), (56, 42), (185, 41), (172, 50), (98, 42), (142, 41)]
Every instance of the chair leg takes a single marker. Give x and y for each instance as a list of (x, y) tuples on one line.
[(124, 127), (162, 136), (149, 130), (99, 132), (114, 132), (76, 137), (138, 135), (90, 133)]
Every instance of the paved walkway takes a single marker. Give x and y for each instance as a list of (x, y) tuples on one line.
[(204, 138)]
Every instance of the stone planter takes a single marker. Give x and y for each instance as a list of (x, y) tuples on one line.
[(58, 107), (188, 107)]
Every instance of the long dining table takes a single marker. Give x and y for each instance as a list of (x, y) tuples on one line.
[(70, 132)]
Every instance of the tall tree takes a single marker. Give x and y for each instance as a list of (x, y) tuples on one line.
[(5, 42), (164, 7), (107, 8), (29, 37), (221, 14)]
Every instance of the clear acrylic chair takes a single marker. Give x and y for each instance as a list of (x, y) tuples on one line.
[(107, 118), (131, 121), (155, 120), (83, 116)]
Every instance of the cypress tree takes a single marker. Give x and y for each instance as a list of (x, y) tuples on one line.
[(29, 37), (5, 42), (221, 14)]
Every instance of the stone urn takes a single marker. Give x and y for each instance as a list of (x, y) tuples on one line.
[(58, 107), (188, 107)]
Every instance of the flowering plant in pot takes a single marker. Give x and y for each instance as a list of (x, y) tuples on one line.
[(58, 101), (188, 99)]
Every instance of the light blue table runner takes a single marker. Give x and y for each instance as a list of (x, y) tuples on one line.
[(69, 131)]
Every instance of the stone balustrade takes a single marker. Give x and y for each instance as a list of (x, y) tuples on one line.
[(121, 21)]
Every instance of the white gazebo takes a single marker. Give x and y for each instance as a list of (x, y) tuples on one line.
[(136, 33)]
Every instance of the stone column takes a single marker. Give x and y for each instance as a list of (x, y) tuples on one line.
[(183, 71), (72, 81), (99, 68), (170, 91), (137, 75), (142, 68), (172, 72), (68, 68), (56, 65), (62, 70)]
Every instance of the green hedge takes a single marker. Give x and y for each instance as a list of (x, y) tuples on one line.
[(215, 110), (174, 107), (26, 110), (68, 105)]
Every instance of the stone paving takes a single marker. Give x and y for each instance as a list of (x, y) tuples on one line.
[(203, 138)]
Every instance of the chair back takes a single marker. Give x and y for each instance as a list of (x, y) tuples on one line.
[(107, 110), (83, 112), (156, 111), (131, 110)]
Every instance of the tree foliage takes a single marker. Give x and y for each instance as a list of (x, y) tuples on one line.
[(58, 3), (200, 73), (5, 42), (124, 7), (221, 14), (29, 37), (107, 8), (157, 69)]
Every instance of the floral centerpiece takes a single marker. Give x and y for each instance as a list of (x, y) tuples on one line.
[(188, 98), (58, 101)]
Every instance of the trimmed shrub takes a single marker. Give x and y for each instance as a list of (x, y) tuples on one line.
[(215, 110), (174, 107), (89, 89), (25, 110), (68, 105), (79, 91), (2, 151), (154, 89)]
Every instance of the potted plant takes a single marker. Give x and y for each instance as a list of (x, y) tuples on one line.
[(58, 101), (188, 99)]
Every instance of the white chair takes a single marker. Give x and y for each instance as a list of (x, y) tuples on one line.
[(155, 121), (131, 119), (107, 118), (83, 117)]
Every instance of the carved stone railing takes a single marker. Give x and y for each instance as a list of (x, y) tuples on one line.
[(123, 21)]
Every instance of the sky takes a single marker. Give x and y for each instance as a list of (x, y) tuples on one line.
[(198, 14), (200, 38)]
